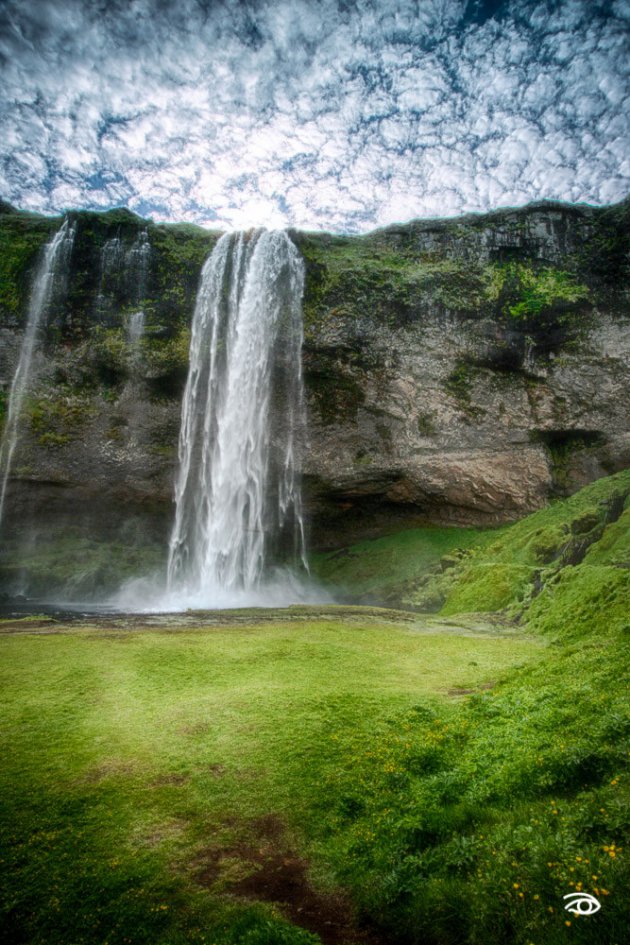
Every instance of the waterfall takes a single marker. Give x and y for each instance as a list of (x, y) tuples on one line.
[(137, 266), (112, 263), (50, 280), (237, 493), (123, 272), (135, 330), (136, 270)]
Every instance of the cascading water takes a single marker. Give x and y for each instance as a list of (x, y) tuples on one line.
[(50, 281), (237, 494), (112, 266), (123, 273), (137, 265), (137, 261)]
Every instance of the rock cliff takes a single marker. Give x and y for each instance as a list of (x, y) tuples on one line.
[(457, 371)]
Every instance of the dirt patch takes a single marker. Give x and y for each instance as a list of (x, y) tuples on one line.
[(196, 728), (468, 692), (28, 625), (262, 866), (176, 779), (216, 770), (167, 831), (109, 769)]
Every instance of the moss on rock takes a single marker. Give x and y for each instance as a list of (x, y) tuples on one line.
[(22, 236)]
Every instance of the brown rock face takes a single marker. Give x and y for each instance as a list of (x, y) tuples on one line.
[(489, 448)]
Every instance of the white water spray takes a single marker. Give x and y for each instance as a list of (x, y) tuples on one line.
[(237, 493), (49, 281)]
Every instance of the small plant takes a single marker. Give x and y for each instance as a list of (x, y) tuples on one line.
[(426, 426), (58, 420), (459, 385)]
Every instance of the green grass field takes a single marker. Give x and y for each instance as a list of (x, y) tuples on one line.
[(136, 762), (343, 775)]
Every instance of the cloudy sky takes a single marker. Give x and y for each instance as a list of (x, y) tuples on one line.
[(321, 114)]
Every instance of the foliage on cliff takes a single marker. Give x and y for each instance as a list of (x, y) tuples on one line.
[(498, 266), (22, 236), (177, 255)]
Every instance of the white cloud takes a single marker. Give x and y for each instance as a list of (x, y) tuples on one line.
[(336, 115)]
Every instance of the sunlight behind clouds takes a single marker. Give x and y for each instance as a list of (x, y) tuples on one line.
[(336, 115)]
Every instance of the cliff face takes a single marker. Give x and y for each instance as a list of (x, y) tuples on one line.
[(458, 371), (466, 370)]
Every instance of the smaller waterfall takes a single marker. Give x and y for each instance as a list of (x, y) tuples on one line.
[(123, 273), (137, 261), (112, 264), (50, 280), (135, 329), (237, 493), (136, 273)]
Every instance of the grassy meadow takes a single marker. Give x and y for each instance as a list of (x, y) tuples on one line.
[(339, 775)]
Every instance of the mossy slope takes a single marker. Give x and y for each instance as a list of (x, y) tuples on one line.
[(578, 543), (388, 569), (519, 570)]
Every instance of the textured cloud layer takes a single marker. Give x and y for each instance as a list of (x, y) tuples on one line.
[(312, 113)]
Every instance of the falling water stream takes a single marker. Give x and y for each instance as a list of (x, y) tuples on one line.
[(49, 280), (137, 268), (237, 493)]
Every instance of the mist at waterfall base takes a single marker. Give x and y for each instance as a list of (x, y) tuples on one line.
[(238, 506)]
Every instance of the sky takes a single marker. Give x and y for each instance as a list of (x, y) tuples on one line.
[(340, 115)]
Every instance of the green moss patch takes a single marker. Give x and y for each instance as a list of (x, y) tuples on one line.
[(387, 569), (574, 533), (22, 236), (58, 420)]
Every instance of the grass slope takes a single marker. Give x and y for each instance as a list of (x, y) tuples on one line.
[(462, 570), (389, 569), (588, 530)]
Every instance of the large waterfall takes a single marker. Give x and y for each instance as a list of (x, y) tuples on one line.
[(237, 494), (49, 281)]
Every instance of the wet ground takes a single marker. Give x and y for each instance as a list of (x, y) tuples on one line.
[(41, 617)]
